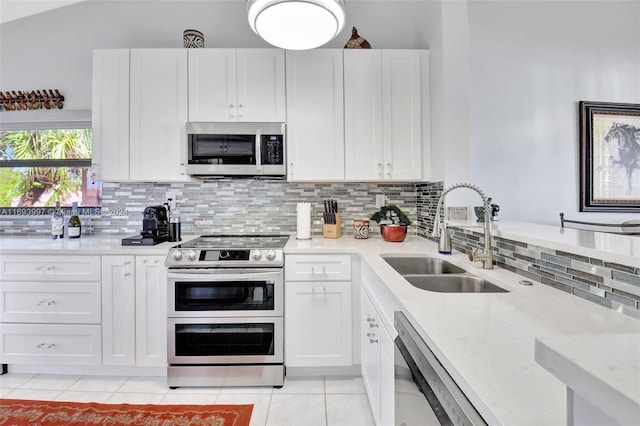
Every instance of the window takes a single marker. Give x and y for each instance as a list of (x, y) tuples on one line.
[(41, 166)]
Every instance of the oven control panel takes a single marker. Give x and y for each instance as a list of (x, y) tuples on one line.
[(201, 258)]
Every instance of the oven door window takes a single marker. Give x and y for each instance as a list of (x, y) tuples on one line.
[(224, 296), (224, 339), (222, 149)]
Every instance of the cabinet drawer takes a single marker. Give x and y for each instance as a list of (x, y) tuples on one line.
[(50, 268), (50, 344), (66, 303), (334, 267)]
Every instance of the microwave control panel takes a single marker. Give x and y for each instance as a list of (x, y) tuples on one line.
[(272, 149)]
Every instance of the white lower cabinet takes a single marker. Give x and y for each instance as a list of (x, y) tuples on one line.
[(50, 310), (118, 310), (377, 363), (50, 344), (151, 311), (318, 331), (134, 310), (318, 324)]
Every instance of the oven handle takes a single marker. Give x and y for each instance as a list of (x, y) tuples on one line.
[(225, 276)]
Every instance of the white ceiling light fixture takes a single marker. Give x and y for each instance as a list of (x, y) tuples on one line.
[(296, 24)]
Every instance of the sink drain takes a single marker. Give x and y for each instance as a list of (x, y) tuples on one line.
[(525, 282)]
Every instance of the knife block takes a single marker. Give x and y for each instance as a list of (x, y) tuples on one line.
[(332, 230)]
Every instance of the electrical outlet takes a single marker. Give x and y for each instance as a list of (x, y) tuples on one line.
[(457, 213), (381, 200)]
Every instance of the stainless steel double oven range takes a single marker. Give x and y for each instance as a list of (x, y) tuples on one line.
[(225, 313)]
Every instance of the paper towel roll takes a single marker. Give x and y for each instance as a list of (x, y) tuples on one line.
[(304, 221)]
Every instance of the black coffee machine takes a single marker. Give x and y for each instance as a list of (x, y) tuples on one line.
[(155, 228)]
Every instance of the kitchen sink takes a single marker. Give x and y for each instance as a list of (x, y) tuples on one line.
[(422, 265), (453, 284)]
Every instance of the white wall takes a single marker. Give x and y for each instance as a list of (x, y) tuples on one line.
[(531, 62)]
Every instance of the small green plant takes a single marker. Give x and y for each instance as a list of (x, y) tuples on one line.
[(391, 213)]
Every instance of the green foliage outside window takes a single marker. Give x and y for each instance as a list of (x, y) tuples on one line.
[(38, 168)]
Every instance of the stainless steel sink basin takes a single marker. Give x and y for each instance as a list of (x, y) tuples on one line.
[(422, 265), (453, 284)]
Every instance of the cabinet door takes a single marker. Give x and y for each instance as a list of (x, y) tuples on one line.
[(50, 344), (260, 76), (42, 302), (387, 377), (59, 268), (212, 85), (158, 103), (402, 130), (370, 353), (151, 311), (110, 115), (363, 115), (315, 117), (318, 324), (118, 310)]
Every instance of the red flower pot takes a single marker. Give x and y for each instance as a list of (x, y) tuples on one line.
[(393, 233)]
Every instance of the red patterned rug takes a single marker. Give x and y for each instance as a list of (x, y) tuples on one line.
[(18, 412)]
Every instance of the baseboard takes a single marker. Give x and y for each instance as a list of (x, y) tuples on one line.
[(89, 370), (351, 371)]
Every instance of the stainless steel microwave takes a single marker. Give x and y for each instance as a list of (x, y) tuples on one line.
[(236, 149)]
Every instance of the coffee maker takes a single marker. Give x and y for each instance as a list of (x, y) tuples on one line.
[(155, 228)]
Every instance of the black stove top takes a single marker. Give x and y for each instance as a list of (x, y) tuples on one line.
[(226, 242)]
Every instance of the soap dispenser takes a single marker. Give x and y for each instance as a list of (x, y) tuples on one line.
[(444, 243)]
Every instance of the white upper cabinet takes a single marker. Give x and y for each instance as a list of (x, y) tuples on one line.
[(383, 115), (139, 111), (158, 108), (315, 115), (110, 115), (236, 85)]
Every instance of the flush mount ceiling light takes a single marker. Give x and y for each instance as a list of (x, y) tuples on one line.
[(296, 24)]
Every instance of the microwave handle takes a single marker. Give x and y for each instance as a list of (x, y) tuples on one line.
[(258, 151)]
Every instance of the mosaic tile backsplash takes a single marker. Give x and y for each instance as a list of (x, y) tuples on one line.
[(228, 206)]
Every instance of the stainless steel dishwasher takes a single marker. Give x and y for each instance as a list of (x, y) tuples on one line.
[(425, 394)]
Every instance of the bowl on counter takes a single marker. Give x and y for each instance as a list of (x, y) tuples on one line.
[(393, 233)]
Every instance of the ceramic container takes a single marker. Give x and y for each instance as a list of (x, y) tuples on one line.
[(393, 233)]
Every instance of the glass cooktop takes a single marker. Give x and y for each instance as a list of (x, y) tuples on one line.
[(226, 242)]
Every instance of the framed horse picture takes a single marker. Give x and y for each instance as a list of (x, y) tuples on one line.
[(609, 157)]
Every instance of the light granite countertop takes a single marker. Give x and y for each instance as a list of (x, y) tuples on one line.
[(601, 369)]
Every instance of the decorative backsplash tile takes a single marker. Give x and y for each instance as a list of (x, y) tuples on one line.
[(228, 206), (608, 284)]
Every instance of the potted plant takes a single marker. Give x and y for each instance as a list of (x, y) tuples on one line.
[(396, 230)]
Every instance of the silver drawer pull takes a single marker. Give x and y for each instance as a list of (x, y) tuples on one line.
[(46, 302), (51, 268), (373, 340), (323, 288), (46, 346), (369, 318), (127, 274), (373, 325), (39, 268)]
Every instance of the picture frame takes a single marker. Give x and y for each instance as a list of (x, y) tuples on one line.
[(609, 157)]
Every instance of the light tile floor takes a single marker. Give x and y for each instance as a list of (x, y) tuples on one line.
[(321, 401)]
